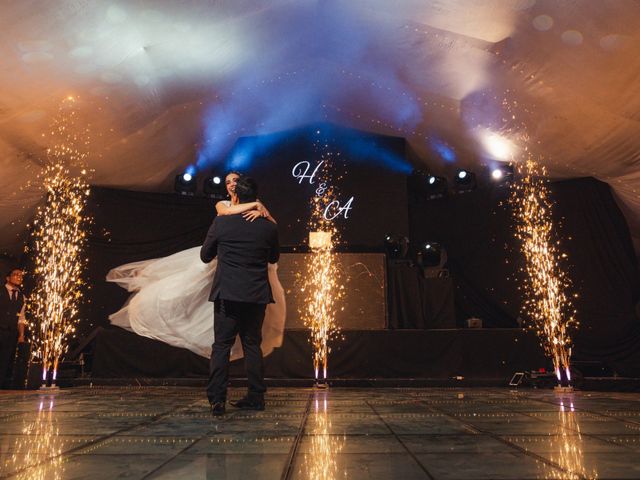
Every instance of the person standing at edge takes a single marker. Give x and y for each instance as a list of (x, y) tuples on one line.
[(12, 323)]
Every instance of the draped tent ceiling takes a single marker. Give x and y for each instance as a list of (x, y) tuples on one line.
[(166, 84)]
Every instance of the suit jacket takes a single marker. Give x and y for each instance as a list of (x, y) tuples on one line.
[(243, 250), (9, 309)]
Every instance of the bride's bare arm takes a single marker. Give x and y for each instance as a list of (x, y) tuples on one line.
[(260, 211), (223, 209)]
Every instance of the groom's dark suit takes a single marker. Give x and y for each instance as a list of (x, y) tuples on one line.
[(240, 293)]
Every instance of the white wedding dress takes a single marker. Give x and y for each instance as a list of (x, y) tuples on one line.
[(170, 303)]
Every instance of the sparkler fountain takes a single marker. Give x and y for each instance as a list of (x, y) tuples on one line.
[(321, 282), (547, 303), (59, 236)]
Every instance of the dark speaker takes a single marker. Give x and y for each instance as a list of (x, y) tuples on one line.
[(363, 274)]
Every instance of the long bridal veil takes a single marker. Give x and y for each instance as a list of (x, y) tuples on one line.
[(170, 303)]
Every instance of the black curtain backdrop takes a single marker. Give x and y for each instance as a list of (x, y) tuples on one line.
[(476, 230), (484, 259), (416, 302), (473, 353), (605, 272), (132, 226)]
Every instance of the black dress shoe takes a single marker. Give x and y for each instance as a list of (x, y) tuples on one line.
[(247, 403), (217, 409)]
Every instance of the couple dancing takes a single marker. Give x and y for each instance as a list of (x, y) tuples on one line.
[(170, 303)]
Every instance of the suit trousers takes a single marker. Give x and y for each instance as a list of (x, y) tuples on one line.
[(230, 319), (8, 343)]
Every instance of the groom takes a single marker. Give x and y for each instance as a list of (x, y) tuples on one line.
[(240, 294)]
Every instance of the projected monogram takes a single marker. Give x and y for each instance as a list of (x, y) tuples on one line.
[(302, 172)]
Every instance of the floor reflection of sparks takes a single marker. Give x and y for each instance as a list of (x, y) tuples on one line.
[(320, 461), (37, 453), (567, 447)]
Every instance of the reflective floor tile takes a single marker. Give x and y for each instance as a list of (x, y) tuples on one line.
[(631, 442), (379, 444), (231, 466), (355, 424), (569, 442), (354, 466), (424, 424), (168, 432), (98, 467), (241, 443), (453, 444), (10, 444), (137, 445), (515, 466)]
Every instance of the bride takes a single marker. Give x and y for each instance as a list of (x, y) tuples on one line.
[(170, 302)]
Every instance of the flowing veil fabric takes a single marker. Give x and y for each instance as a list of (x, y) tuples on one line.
[(170, 303)]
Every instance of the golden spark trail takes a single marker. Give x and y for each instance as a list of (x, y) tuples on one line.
[(58, 240), (546, 284), (321, 283)]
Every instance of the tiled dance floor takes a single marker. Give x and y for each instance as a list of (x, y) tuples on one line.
[(157, 432)]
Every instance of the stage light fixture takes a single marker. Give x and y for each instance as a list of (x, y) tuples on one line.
[(396, 247), (186, 184), (425, 186), (436, 187), (465, 181), (503, 174), (215, 188), (432, 257), (429, 255)]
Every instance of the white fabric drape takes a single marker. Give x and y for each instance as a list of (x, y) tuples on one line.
[(170, 303)]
